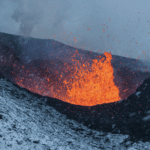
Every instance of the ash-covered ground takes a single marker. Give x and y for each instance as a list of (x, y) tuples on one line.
[(32, 122)]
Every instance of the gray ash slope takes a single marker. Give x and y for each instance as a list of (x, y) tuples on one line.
[(27, 122), (30, 121)]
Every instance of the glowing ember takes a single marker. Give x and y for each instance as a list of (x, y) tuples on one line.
[(92, 87), (80, 84)]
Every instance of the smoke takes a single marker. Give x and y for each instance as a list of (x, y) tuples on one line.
[(26, 15), (122, 27)]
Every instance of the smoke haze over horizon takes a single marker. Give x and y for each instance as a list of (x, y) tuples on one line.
[(122, 27)]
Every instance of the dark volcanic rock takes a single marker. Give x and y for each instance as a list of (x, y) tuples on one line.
[(130, 116)]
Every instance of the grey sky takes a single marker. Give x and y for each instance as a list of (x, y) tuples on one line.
[(119, 26)]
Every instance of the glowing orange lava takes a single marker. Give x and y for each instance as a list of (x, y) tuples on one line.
[(93, 87), (84, 84)]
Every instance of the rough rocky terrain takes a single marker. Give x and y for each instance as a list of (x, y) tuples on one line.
[(28, 122)]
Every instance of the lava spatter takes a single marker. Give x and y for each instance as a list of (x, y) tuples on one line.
[(92, 85), (79, 83)]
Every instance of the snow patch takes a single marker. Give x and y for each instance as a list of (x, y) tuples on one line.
[(146, 118), (137, 93)]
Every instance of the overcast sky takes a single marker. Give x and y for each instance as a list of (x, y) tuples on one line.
[(119, 26)]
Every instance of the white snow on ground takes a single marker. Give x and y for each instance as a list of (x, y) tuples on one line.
[(26, 123), (137, 93)]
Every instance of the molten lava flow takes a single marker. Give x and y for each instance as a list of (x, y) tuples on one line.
[(79, 83), (92, 87)]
